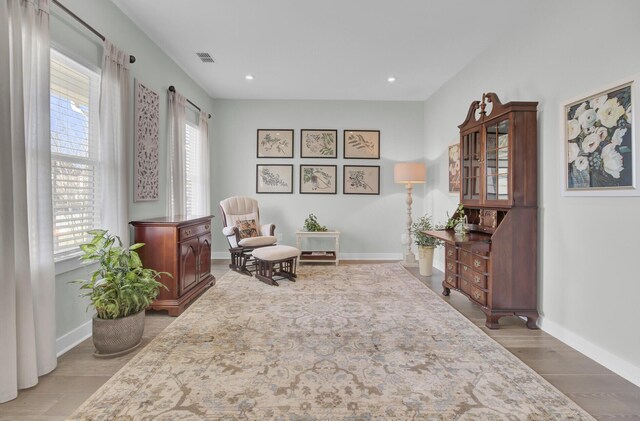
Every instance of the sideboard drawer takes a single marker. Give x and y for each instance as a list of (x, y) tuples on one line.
[(476, 279), (478, 295), (194, 230), (451, 266), (451, 280), (451, 251), (478, 263)]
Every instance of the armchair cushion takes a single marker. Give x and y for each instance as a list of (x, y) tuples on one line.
[(229, 231), (264, 240), (247, 228)]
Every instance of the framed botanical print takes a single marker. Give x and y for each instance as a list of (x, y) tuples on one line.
[(361, 179), (601, 157), (318, 143), (318, 179), (454, 168), (361, 144), (276, 178), (275, 143)]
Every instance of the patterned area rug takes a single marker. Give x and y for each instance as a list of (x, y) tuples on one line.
[(365, 342)]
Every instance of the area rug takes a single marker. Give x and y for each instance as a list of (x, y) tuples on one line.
[(354, 342)]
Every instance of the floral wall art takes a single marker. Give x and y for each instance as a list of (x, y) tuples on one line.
[(361, 179), (599, 143), (318, 179), (318, 143), (361, 144), (147, 117), (275, 143), (276, 178)]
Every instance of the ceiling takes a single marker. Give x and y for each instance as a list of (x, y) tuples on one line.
[(324, 49)]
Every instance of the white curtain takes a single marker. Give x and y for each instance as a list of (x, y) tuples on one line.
[(27, 301), (202, 191), (114, 140), (177, 201)]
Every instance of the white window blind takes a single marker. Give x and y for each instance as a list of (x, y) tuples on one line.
[(74, 100), (192, 167)]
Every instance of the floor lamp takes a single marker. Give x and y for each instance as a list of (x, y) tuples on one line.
[(409, 173)]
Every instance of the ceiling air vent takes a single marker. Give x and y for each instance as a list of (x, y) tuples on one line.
[(205, 57)]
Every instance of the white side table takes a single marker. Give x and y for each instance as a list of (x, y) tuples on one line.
[(319, 255)]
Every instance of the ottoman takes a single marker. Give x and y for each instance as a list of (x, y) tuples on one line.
[(276, 261)]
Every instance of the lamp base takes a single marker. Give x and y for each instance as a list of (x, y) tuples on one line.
[(409, 260)]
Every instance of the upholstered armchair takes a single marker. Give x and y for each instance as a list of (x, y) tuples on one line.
[(241, 226)]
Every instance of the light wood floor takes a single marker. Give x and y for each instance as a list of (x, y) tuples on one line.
[(602, 393)]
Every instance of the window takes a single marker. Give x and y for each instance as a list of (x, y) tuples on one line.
[(193, 164), (74, 96)]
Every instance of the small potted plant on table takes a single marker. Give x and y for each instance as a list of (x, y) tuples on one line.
[(120, 290), (426, 244)]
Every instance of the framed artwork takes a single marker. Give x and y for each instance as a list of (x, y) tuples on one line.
[(361, 179), (361, 144), (276, 178), (454, 168), (275, 143), (318, 179), (146, 152), (318, 143), (599, 142)]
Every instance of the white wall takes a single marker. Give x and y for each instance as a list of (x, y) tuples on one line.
[(157, 71), (588, 286), (371, 226)]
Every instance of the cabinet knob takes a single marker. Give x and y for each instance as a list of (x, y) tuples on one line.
[(476, 295), (188, 232), (476, 263), (206, 227), (476, 278)]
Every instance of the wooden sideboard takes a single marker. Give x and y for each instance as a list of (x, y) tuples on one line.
[(182, 247), (496, 263)]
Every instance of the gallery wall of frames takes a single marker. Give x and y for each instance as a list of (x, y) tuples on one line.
[(275, 176)]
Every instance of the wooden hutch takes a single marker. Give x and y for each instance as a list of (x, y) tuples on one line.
[(495, 264), (182, 247)]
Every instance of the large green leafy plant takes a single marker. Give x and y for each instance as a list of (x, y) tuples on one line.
[(424, 223), (312, 224), (121, 286)]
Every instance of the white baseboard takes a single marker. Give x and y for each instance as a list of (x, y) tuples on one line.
[(343, 256), (611, 361), (69, 340)]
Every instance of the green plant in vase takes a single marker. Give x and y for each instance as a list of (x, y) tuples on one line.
[(426, 243)]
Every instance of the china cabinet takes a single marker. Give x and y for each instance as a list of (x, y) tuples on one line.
[(495, 264)]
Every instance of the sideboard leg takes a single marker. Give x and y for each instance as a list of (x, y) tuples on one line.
[(446, 291), (492, 321)]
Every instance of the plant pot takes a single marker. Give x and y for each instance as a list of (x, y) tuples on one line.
[(115, 337), (425, 260)]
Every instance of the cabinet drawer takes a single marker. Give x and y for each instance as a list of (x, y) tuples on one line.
[(476, 279), (451, 266), (464, 256), (451, 280), (479, 263), (194, 230), (478, 295), (451, 251)]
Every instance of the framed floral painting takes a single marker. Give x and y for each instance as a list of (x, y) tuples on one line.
[(318, 179), (318, 143), (361, 144), (361, 179), (276, 178), (454, 168), (275, 143), (599, 143)]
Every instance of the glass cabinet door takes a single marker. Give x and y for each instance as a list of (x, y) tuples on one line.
[(471, 167), (497, 162)]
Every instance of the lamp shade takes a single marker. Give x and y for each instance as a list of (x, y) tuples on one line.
[(410, 172)]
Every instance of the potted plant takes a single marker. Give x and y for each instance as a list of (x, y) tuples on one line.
[(312, 224), (426, 244), (120, 290)]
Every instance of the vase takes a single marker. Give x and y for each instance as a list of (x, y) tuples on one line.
[(115, 337), (425, 260)]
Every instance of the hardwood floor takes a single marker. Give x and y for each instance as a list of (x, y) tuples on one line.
[(602, 393)]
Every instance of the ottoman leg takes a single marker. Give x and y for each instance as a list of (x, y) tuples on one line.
[(264, 272)]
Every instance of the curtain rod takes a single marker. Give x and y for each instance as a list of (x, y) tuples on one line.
[(132, 59), (173, 89)]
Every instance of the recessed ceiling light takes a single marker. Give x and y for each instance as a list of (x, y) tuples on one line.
[(391, 79), (249, 77)]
